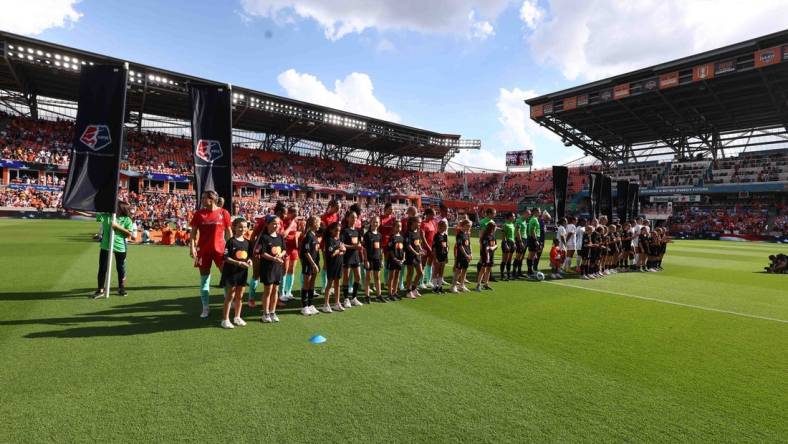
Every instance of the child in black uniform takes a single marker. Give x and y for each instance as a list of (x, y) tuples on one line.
[(373, 254), (310, 265), (235, 273), (413, 254), (351, 239), (462, 256), (440, 248), (396, 257), (272, 267), (334, 255)]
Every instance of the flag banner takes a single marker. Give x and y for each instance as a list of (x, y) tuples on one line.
[(633, 206), (212, 141), (594, 183), (92, 183), (622, 200), (560, 182), (606, 198)]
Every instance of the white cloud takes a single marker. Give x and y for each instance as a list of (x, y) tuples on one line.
[(34, 17), (339, 18), (599, 38), (480, 159), (354, 93), (385, 45)]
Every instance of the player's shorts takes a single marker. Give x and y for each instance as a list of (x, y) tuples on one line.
[(307, 269), (507, 246), (271, 273), (461, 263), (571, 247), (351, 261), (292, 254), (204, 259), (584, 253), (519, 246), (393, 265), (442, 257), (374, 264), (334, 268), (533, 245), (237, 279)]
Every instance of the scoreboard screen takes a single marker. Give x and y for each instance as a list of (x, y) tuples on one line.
[(519, 159)]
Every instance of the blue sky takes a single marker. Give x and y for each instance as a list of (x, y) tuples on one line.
[(456, 66)]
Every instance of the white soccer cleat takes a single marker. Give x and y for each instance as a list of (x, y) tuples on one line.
[(227, 324), (266, 318), (205, 312), (454, 289), (338, 307), (306, 311), (313, 309), (347, 303), (355, 302), (239, 322), (465, 289), (326, 309), (274, 317)]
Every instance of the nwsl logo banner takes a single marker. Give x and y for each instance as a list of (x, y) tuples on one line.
[(92, 183), (96, 137), (212, 140)]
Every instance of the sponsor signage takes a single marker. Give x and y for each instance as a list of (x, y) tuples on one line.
[(669, 80)]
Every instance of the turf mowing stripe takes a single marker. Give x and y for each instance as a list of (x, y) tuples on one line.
[(664, 301)]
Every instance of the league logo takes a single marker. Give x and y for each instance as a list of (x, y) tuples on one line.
[(208, 150), (95, 137)]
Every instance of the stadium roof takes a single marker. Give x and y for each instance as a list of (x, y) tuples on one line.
[(702, 106), (31, 69)]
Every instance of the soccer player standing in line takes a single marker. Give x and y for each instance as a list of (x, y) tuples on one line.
[(270, 248), (413, 255), (373, 257), (395, 258), (428, 229), (533, 233), (487, 246), (571, 245), (462, 256), (387, 220), (235, 273), (489, 216), (330, 217), (210, 228), (520, 241), (440, 251), (351, 265), (508, 247), (310, 265)]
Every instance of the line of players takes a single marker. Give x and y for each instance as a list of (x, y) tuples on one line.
[(411, 253)]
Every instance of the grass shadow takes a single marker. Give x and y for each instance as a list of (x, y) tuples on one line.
[(138, 318), (79, 293)]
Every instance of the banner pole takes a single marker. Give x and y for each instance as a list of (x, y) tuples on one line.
[(108, 278)]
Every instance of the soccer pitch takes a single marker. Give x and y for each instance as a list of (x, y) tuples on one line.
[(696, 353)]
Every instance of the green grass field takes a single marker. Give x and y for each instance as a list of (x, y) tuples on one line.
[(696, 353)]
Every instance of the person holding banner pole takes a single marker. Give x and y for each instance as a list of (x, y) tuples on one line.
[(115, 230), (211, 227)]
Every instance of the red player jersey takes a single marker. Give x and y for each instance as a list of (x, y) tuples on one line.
[(211, 226)]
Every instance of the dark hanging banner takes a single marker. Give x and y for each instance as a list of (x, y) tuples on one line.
[(633, 206), (560, 182), (622, 200), (606, 199), (594, 188), (92, 183), (212, 141)]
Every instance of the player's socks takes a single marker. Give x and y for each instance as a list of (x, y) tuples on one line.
[(427, 274), (324, 276), (503, 269), (355, 289), (205, 287), (304, 297), (385, 275), (252, 289)]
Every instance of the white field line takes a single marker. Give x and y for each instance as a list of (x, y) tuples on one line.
[(699, 307)]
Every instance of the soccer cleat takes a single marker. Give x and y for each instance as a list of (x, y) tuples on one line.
[(367, 300), (205, 312), (122, 291), (306, 311), (326, 309), (227, 324), (239, 322), (338, 307), (443, 282), (416, 292), (453, 289), (356, 303), (465, 289), (274, 317), (585, 277), (381, 299), (266, 318), (97, 293), (347, 303), (478, 289), (487, 287)]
